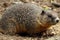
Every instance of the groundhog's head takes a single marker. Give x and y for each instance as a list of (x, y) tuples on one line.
[(49, 18)]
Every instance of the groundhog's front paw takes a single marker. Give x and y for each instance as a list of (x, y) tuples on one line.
[(49, 32)]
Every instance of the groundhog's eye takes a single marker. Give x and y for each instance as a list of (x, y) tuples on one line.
[(43, 12)]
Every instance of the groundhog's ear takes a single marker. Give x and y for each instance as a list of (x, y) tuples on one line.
[(43, 12)]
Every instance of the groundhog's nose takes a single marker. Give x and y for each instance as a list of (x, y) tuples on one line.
[(57, 20)]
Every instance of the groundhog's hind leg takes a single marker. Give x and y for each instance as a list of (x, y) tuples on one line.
[(8, 27), (11, 28)]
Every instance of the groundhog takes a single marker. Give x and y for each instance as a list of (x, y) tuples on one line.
[(28, 18)]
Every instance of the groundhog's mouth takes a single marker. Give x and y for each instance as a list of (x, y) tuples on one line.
[(54, 23)]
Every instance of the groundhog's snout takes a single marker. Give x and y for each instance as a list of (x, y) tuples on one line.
[(52, 17), (57, 20)]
